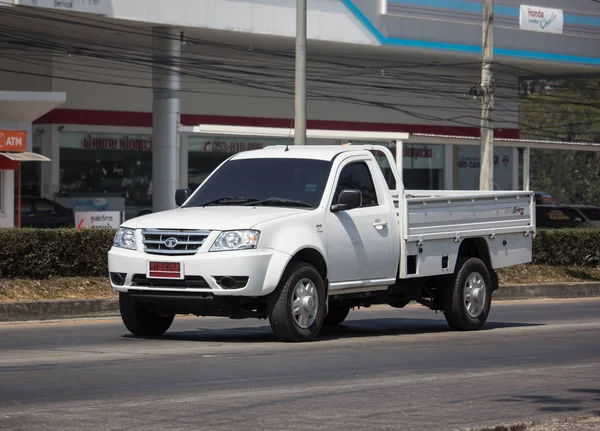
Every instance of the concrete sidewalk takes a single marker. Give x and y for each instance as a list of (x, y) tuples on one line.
[(91, 308)]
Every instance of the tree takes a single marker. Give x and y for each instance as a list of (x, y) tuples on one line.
[(564, 110)]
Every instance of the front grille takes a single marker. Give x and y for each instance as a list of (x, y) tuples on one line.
[(173, 242), (192, 281)]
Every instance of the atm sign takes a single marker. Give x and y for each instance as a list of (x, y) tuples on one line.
[(13, 140)]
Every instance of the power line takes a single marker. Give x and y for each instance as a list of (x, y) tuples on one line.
[(272, 75)]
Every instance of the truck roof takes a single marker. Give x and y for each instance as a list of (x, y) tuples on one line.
[(317, 152)]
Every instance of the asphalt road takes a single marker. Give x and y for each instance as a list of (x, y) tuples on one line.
[(383, 369)]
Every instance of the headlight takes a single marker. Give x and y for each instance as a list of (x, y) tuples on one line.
[(125, 238), (236, 240)]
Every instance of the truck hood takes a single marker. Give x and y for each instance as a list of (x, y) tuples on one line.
[(211, 218)]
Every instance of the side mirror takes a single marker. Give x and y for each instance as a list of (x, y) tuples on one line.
[(349, 199), (182, 195)]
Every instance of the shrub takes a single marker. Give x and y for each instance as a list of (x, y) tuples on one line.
[(43, 253), (567, 247)]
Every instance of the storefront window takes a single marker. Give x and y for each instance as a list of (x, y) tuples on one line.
[(423, 166), (468, 161), (108, 164), (120, 165), (31, 173), (207, 153)]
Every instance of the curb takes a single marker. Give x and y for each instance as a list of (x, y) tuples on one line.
[(58, 309), (92, 308), (547, 291)]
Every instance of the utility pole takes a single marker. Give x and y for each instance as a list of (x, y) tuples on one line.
[(486, 173), (300, 93)]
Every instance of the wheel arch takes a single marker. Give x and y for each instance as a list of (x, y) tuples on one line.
[(478, 248), (315, 258)]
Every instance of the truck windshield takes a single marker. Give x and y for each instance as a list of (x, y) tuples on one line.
[(270, 181)]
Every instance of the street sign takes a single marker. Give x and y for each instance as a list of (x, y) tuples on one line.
[(13, 140), (97, 220), (541, 19)]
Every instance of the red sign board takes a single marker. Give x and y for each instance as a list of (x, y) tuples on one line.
[(13, 140)]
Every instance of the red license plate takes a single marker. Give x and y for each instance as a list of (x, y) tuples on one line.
[(165, 270)]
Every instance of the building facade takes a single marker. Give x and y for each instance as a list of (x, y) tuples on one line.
[(132, 71)]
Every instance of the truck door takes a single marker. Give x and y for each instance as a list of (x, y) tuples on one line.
[(358, 240)]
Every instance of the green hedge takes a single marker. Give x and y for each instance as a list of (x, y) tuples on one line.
[(43, 253), (567, 247)]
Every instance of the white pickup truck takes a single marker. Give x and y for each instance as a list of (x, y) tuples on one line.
[(303, 234)]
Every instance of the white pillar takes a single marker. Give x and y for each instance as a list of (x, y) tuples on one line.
[(515, 169), (184, 149), (50, 178), (165, 116), (526, 157), (449, 164), (7, 199)]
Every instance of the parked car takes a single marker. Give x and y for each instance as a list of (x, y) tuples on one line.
[(543, 198), (556, 217), (589, 214), (38, 212)]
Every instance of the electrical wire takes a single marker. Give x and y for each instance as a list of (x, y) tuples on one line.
[(273, 74)]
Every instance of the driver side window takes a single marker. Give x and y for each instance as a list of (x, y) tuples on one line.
[(358, 177)]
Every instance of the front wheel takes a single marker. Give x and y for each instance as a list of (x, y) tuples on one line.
[(299, 304), (467, 301), (140, 321)]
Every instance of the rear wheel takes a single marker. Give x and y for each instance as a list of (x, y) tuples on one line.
[(140, 321), (336, 315), (467, 301), (299, 304)]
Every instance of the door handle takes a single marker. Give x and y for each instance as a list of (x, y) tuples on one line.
[(379, 224)]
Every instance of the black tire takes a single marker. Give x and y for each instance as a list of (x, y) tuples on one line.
[(281, 317), (458, 315), (336, 315), (140, 321)]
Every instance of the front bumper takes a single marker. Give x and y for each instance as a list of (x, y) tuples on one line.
[(257, 272)]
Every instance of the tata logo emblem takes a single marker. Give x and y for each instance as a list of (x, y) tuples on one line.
[(171, 242)]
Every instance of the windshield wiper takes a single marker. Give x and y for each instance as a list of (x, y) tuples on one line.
[(280, 201), (229, 200)]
